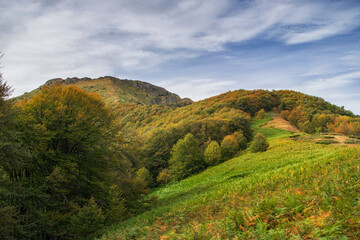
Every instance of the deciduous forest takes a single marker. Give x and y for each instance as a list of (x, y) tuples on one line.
[(77, 158)]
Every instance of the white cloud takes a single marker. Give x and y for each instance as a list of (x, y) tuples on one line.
[(197, 89), (47, 39)]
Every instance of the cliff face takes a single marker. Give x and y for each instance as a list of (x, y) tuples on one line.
[(114, 90)]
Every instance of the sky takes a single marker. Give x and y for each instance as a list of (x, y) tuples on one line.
[(195, 48)]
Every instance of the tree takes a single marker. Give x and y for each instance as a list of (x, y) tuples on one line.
[(186, 158), (164, 177), (229, 146), (212, 154), (145, 176), (157, 149), (260, 114), (14, 158), (259, 144), (73, 137), (241, 139)]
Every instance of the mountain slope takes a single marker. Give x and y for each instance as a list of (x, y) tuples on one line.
[(295, 190), (114, 90)]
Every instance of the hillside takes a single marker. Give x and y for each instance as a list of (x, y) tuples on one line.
[(114, 91), (295, 190), (161, 167)]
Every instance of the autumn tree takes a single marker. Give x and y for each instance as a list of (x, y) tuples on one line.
[(259, 144), (186, 158), (260, 114), (212, 154)]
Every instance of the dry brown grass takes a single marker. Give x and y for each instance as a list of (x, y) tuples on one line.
[(279, 122)]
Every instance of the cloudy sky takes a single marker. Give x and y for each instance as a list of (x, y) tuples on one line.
[(195, 48)]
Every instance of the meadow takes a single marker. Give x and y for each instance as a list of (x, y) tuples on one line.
[(294, 190)]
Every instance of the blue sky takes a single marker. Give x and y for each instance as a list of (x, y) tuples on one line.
[(195, 48)]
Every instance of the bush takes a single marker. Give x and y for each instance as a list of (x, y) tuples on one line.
[(328, 137), (164, 177), (212, 155), (352, 141), (326, 142), (229, 146), (186, 158), (259, 144)]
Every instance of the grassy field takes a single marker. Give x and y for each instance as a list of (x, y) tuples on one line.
[(295, 190)]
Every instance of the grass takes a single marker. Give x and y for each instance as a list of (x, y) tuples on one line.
[(295, 190)]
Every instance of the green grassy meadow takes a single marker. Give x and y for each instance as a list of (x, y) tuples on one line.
[(294, 190)]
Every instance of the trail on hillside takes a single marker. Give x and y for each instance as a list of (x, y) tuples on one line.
[(279, 122)]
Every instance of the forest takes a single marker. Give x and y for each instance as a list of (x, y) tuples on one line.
[(72, 162)]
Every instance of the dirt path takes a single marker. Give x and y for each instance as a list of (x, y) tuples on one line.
[(279, 122)]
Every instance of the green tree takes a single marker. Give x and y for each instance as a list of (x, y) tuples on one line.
[(164, 177), (157, 149), (241, 139), (145, 176), (212, 154), (229, 146), (259, 144), (186, 158), (74, 138), (260, 114), (14, 159), (88, 221)]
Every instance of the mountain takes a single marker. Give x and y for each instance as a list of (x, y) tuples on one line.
[(114, 90), (304, 186)]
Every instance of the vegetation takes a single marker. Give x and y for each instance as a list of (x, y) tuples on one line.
[(259, 144), (326, 141), (186, 158), (60, 166), (212, 154), (306, 191), (73, 162), (229, 146)]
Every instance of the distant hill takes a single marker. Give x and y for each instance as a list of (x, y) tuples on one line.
[(143, 107), (114, 90)]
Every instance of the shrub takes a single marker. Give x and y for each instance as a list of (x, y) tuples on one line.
[(229, 146), (326, 142), (259, 144), (212, 155), (352, 141), (164, 177), (186, 158)]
